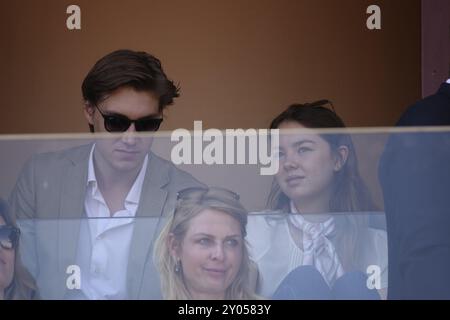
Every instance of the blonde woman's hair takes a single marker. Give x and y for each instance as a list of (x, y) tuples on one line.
[(189, 205)]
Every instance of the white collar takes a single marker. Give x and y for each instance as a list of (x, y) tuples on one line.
[(135, 191), (294, 210), (448, 80)]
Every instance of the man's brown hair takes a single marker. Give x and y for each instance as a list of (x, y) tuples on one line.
[(121, 68)]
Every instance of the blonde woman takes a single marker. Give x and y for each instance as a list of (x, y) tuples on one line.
[(201, 252)]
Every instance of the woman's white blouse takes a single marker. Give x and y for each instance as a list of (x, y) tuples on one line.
[(276, 254)]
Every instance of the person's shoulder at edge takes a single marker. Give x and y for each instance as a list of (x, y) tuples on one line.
[(74, 154), (431, 110), (49, 164), (41, 170)]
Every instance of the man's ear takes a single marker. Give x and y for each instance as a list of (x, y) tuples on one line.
[(174, 246), (89, 111), (340, 158)]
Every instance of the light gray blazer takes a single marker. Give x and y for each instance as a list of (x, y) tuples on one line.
[(48, 200)]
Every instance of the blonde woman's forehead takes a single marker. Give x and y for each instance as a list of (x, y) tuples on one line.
[(215, 223)]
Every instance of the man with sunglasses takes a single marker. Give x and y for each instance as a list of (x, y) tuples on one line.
[(117, 178)]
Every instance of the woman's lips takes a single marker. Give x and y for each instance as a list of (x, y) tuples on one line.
[(216, 272), (294, 180)]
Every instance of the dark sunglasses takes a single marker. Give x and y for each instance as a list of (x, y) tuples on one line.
[(9, 237), (192, 192), (120, 123)]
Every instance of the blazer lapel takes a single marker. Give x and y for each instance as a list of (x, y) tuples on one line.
[(72, 207), (148, 216)]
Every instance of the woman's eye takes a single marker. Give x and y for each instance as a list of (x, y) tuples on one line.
[(204, 241), (303, 150), (232, 242)]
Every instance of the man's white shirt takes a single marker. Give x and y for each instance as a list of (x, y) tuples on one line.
[(105, 239)]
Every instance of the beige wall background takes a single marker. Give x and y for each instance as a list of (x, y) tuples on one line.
[(238, 63)]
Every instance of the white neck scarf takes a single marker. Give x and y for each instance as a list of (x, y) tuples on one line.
[(318, 250)]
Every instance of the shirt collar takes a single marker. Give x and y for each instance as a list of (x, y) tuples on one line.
[(295, 211), (135, 191), (91, 173), (448, 81), (293, 208)]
